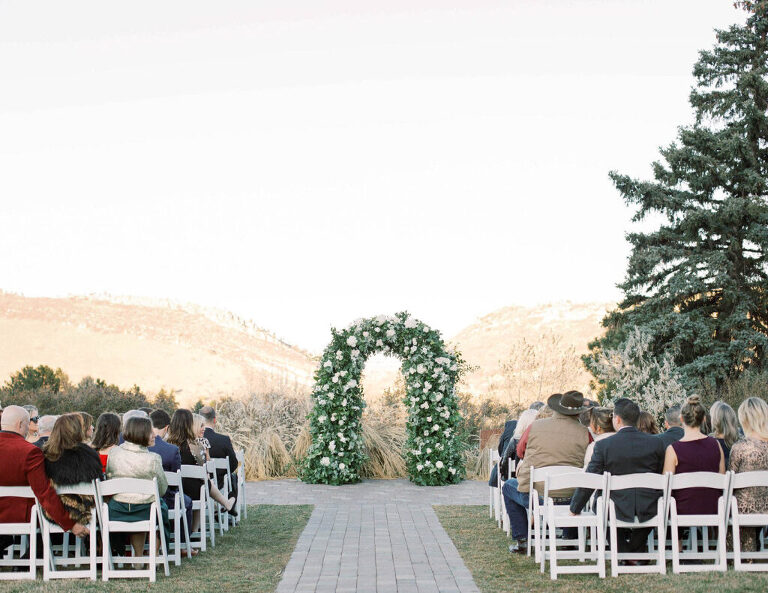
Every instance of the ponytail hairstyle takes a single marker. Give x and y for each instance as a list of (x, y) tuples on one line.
[(753, 415), (693, 413), (601, 418)]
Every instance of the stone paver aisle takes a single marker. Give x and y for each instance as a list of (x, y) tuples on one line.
[(380, 536)]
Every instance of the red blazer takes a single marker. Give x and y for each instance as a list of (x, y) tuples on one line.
[(23, 464)]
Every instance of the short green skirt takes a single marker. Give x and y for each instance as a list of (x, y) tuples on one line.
[(130, 513)]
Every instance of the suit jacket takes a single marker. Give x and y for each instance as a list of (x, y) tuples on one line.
[(169, 454), (506, 436), (674, 434), (629, 451), (221, 447), (40, 442), (23, 464)]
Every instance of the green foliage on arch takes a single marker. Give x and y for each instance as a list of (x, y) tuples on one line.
[(433, 453)]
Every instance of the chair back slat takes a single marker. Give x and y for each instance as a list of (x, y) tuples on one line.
[(575, 480), (700, 480), (173, 478), (127, 486), (221, 463), (643, 480), (540, 474), (16, 492), (194, 471), (82, 489), (749, 479)]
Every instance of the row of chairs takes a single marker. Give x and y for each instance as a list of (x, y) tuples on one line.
[(58, 557), (547, 519)]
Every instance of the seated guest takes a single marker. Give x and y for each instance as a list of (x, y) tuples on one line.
[(106, 436), (601, 427), (725, 427), (88, 429), (132, 459), (504, 440), (695, 452), (170, 456), (23, 464), (522, 442), (69, 461), (559, 440), (221, 447), (629, 451), (750, 454), (647, 423), (34, 417), (198, 427), (536, 406), (127, 416), (672, 429), (181, 433), (44, 428)]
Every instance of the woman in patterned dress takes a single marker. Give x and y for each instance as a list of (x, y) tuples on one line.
[(747, 455)]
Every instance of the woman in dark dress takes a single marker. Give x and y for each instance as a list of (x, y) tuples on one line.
[(695, 452)]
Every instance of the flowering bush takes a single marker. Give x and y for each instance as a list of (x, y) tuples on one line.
[(433, 454)]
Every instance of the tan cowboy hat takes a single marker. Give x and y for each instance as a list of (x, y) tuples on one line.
[(570, 403)]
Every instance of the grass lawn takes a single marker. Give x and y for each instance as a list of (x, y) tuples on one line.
[(251, 557), (484, 549)]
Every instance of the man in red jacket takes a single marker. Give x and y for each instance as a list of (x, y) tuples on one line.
[(23, 464)]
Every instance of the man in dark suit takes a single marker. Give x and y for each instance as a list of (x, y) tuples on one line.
[(23, 464), (629, 451), (672, 423), (44, 428), (221, 447)]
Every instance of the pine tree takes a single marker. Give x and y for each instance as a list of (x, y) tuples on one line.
[(699, 282)]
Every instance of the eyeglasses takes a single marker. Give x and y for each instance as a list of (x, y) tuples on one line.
[(34, 419)]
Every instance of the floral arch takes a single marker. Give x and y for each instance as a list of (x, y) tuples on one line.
[(433, 453)]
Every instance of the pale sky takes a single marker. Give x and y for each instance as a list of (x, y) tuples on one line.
[(307, 163)]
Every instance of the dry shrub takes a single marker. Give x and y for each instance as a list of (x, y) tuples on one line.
[(383, 440)]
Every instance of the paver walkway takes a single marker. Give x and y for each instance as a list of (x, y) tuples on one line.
[(379, 536)]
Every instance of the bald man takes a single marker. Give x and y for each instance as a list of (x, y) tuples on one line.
[(23, 464)]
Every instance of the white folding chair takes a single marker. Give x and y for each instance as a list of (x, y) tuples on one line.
[(50, 559), (757, 520), (28, 532), (500, 496), (152, 526), (223, 464), (201, 505), (241, 499), (559, 516), (178, 515), (218, 521), (718, 521), (535, 508), (493, 503), (631, 481)]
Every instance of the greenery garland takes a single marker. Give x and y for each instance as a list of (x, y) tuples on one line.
[(433, 453)]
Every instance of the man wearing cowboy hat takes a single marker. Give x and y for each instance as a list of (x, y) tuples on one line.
[(558, 440)]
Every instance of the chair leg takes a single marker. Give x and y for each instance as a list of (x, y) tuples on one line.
[(736, 543), (552, 551), (614, 547), (675, 546)]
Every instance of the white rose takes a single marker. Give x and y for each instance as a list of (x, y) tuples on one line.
[(366, 334), (342, 466), (427, 386), (325, 461), (429, 418), (332, 446), (426, 433), (355, 353), (418, 467), (411, 323), (438, 464), (429, 450), (379, 344), (352, 341), (344, 402), (435, 427), (339, 355), (421, 369), (327, 364), (438, 397), (390, 333), (322, 419), (452, 470), (424, 406)]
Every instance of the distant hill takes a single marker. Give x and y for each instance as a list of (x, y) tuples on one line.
[(201, 352), (489, 340)]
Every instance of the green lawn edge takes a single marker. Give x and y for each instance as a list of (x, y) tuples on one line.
[(484, 549), (249, 558)]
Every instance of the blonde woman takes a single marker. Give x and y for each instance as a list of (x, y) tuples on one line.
[(725, 427), (601, 427), (748, 455)]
